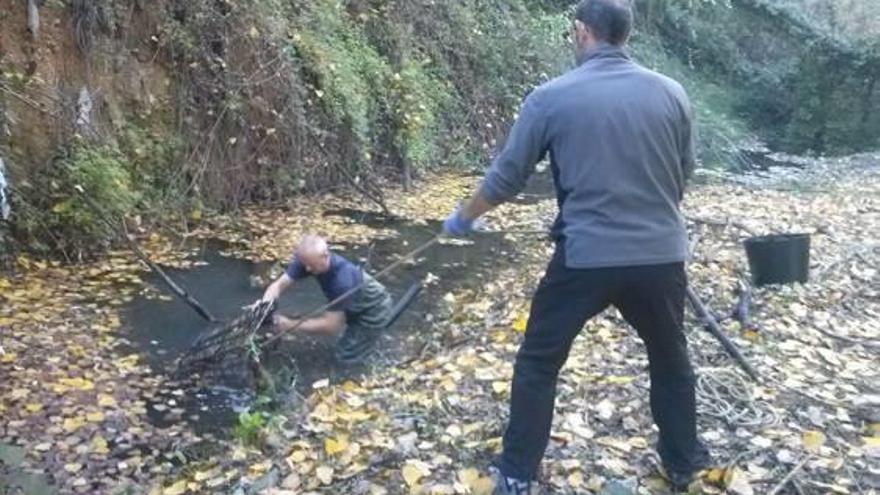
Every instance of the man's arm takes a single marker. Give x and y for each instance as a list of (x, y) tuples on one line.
[(329, 323), (276, 288), (526, 145)]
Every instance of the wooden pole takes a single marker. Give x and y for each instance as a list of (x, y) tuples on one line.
[(711, 325), (178, 290)]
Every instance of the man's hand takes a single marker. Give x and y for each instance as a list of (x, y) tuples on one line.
[(457, 225), (283, 323)]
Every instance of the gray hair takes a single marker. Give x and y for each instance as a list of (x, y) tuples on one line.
[(609, 20)]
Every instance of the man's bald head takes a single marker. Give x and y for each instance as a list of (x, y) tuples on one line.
[(314, 253), (608, 20)]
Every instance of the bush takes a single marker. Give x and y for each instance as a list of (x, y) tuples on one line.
[(101, 172)]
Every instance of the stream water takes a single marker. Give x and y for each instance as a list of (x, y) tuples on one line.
[(160, 330)]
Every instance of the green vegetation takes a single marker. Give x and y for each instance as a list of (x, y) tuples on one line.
[(60, 212), (255, 100), (800, 87), (249, 428)]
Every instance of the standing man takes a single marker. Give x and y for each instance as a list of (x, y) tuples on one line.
[(361, 305), (620, 142)]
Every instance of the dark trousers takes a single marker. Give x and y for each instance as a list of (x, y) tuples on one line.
[(651, 299)]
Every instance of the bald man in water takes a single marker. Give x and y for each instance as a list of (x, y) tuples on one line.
[(361, 305)]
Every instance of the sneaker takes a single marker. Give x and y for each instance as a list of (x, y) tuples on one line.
[(355, 344), (679, 482), (512, 486)]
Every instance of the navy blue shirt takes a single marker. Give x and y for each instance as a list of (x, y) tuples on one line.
[(341, 277)]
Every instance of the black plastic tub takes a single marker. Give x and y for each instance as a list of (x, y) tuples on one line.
[(779, 258)]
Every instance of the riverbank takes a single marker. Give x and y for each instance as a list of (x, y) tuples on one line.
[(76, 392)]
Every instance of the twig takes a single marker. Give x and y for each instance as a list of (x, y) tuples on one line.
[(722, 223), (790, 475), (806, 395), (850, 340), (711, 325), (177, 289)]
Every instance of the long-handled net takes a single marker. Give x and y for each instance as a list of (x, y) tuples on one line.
[(229, 354)]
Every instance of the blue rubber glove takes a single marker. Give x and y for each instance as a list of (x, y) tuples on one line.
[(457, 225)]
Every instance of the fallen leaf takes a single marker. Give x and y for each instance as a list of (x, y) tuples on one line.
[(324, 474), (95, 417), (813, 440), (520, 324), (737, 482), (72, 424), (413, 471), (99, 445), (335, 446), (178, 488)]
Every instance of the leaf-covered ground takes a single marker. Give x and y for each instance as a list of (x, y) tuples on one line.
[(74, 396)]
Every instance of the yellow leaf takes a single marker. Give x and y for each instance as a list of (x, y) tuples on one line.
[(576, 479), (127, 362), (520, 324), (72, 424), (76, 383), (72, 468), (813, 440), (206, 475), (99, 445), (196, 214), (324, 474), (411, 474), (259, 468), (33, 407), (8, 357), (715, 476), (499, 387), (872, 443), (468, 476), (178, 488), (413, 471), (297, 456), (334, 446), (483, 486), (105, 400), (95, 417), (350, 386)]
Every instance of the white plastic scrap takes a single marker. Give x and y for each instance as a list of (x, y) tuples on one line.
[(5, 208), (84, 110)]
